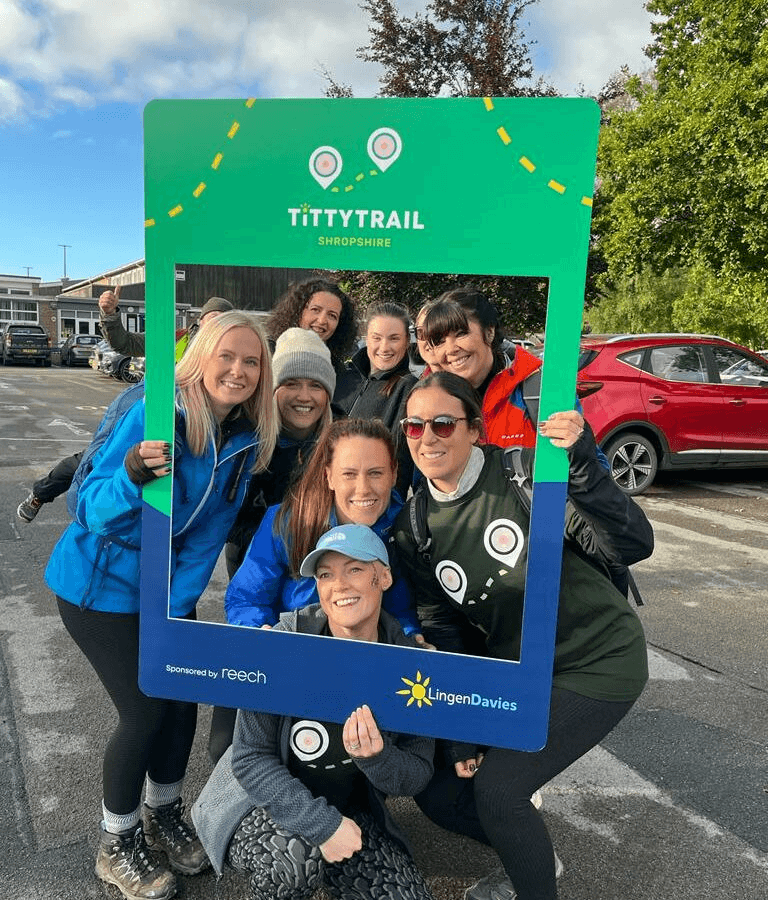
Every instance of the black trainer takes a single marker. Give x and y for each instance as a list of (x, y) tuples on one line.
[(166, 830), (29, 508), (125, 861)]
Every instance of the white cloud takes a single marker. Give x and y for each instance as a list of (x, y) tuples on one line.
[(85, 52), (61, 135), (586, 41), (13, 101)]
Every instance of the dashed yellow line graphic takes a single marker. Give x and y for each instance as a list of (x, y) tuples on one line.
[(525, 161), (234, 128), (215, 163)]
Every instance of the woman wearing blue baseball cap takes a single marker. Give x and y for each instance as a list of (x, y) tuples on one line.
[(298, 804), (349, 479)]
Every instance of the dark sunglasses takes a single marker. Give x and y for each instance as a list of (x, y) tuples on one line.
[(442, 426)]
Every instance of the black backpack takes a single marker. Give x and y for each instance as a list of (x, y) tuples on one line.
[(579, 534)]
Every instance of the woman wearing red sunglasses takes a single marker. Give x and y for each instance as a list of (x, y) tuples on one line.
[(600, 665)]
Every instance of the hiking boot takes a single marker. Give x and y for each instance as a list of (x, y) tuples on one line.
[(166, 830), (29, 508), (496, 885), (123, 860)]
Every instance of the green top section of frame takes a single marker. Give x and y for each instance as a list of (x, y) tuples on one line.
[(486, 186)]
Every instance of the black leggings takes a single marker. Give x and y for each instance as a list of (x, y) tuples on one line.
[(494, 807), (153, 737), (58, 480)]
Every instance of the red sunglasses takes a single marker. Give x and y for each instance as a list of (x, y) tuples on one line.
[(442, 426)]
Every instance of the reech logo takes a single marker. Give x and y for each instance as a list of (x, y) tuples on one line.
[(326, 166), (421, 692)]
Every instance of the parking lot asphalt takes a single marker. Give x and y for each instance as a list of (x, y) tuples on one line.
[(673, 804)]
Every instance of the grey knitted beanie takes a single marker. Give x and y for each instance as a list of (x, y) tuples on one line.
[(299, 353)]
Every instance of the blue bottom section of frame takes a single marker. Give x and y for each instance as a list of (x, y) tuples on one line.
[(488, 701)]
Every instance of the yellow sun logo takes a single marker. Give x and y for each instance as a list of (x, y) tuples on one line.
[(416, 691)]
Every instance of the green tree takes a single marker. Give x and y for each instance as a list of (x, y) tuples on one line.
[(683, 176), (693, 299), (521, 302)]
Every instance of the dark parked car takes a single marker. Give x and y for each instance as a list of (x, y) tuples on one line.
[(23, 340), (78, 349), (666, 401)]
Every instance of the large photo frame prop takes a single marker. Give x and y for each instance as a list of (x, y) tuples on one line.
[(441, 185)]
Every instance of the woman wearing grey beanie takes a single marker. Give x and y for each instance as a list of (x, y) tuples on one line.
[(304, 380)]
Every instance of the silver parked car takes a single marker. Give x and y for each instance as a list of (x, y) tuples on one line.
[(78, 349)]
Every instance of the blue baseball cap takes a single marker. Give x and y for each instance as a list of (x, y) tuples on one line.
[(354, 541)]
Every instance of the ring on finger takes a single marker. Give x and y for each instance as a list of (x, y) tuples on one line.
[(354, 746)]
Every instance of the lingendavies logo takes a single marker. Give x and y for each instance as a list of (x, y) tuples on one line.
[(421, 692), (326, 166)]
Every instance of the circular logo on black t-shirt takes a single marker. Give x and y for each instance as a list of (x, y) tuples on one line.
[(309, 740)]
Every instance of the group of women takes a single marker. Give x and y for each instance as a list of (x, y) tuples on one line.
[(280, 442)]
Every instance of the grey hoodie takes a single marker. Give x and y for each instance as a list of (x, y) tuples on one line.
[(253, 772)]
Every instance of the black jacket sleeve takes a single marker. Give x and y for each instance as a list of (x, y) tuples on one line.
[(605, 521)]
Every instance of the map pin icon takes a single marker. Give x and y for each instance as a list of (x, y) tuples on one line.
[(504, 541), (452, 579), (384, 146), (325, 165)]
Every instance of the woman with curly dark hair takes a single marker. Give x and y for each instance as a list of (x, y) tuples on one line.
[(321, 306)]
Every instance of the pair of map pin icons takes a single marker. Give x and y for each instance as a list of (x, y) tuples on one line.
[(384, 146)]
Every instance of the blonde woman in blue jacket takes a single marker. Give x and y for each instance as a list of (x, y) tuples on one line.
[(226, 429)]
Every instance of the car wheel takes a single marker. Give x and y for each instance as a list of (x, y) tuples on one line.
[(633, 462), (125, 373)]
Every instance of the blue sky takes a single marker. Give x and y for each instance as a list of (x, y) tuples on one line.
[(74, 78)]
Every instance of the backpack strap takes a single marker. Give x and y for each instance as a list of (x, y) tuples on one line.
[(634, 591), (531, 388), (417, 516), (518, 475)]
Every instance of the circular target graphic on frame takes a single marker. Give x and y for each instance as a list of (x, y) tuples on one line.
[(504, 541), (452, 579), (309, 740), (384, 147), (325, 165)]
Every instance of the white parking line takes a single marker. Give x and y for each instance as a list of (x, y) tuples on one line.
[(738, 490)]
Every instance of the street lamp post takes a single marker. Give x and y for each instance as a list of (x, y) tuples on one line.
[(65, 246)]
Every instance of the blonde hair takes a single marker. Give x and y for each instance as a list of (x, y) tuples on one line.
[(259, 408)]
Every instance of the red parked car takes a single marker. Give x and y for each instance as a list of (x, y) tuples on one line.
[(667, 401)]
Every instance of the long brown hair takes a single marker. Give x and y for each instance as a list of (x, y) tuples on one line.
[(287, 314), (305, 512)]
